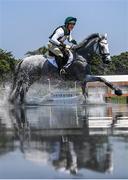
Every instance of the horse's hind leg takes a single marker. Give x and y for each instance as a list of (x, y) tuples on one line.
[(15, 93), (22, 95), (23, 90)]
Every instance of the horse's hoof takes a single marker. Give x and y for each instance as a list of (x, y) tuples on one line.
[(118, 92)]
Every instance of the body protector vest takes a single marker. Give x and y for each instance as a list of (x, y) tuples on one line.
[(64, 37)]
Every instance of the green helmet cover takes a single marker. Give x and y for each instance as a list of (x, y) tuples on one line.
[(70, 19)]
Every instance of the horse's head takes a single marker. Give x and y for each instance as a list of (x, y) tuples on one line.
[(94, 43), (103, 49)]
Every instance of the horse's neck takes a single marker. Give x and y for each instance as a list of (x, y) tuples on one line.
[(87, 51)]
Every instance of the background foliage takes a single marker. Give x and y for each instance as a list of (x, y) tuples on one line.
[(119, 64)]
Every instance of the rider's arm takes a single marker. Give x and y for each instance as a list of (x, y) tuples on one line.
[(70, 37), (71, 40), (59, 33)]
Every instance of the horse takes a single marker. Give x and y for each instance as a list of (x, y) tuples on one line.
[(34, 67)]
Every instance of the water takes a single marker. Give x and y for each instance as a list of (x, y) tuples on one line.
[(64, 141)]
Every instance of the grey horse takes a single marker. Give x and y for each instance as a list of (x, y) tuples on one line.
[(32, 68)]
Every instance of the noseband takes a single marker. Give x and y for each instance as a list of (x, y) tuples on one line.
[(100, 50)]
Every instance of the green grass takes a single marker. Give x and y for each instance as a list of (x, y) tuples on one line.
[(118, 100)]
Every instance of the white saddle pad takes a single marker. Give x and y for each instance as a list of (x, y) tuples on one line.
[(53, 62)]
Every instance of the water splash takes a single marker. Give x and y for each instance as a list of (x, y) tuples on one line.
[(96, 95), (4, 94), (39, 93)]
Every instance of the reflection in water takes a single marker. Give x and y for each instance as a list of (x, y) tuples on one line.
[(70, 138)]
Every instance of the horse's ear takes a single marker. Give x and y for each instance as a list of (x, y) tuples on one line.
[(105, 35), (102, 36)]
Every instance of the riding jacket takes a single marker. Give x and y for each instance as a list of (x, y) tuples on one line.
[(59, 35)]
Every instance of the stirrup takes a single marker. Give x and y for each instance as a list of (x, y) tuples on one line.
[(62, 71)]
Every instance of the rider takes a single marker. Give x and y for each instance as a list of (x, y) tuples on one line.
[(56, 42)]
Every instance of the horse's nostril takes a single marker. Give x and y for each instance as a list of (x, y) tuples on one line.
[(106, 60), (109, 60)]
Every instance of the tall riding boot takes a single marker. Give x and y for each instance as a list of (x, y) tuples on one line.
[(59, 61)]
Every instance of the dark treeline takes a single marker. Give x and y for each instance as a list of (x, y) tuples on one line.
[(7, 64), (119, 64)]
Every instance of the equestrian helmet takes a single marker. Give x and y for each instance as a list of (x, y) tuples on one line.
[(71, 20)]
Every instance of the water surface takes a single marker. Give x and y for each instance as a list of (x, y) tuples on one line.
[(64, 141)]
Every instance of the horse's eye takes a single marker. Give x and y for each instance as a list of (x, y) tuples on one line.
[(101, 45)]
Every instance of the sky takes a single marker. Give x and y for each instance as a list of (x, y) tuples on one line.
[(25, 25)]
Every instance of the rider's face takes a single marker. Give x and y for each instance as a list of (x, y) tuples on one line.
[(70, 26)]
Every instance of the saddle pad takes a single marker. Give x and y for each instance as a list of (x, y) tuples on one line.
[(52, 61)]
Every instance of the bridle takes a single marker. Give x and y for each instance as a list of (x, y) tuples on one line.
[(99, 47)]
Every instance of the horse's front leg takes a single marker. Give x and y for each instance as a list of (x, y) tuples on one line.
[(116, 89), (90, 78)]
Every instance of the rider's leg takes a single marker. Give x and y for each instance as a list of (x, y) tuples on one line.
[(70, 59), (59, 61), (56, 53), (65, 67), (55, 50)]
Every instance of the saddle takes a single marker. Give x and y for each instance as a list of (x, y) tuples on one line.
[(61, 61)]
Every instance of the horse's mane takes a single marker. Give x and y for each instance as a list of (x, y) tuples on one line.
[(86, 40)]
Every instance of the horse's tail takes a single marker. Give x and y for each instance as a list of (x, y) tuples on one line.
[(14, 82), (17, 68), (15, 75)]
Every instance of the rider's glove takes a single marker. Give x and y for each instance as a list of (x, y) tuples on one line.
[(62, 46), (73, 41), (68, 47)]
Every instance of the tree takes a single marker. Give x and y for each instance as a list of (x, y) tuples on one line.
[(97, 67), (118, 65), (42, 50), (7, 63)]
